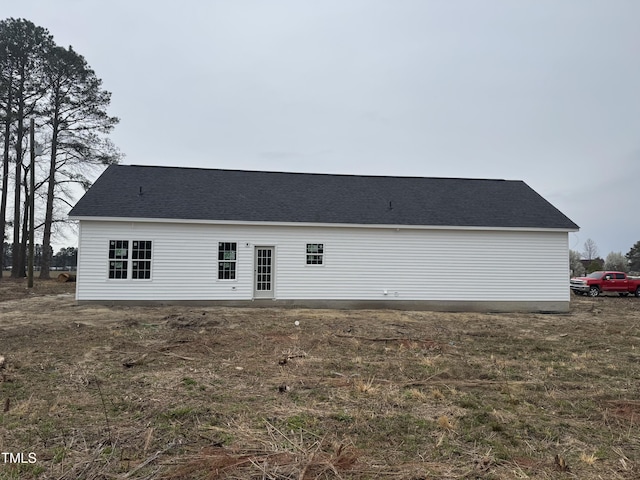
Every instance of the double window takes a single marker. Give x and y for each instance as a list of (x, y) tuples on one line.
[(134, 262), (315, 253), (227, 253)]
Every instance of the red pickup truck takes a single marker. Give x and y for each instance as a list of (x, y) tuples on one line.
[(606, 282)]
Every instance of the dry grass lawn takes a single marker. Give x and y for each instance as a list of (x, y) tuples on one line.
[(100, 392)]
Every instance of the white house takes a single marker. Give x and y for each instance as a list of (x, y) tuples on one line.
[(170, 235)]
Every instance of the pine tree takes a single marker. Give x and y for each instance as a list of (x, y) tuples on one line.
[(76, 113), (23, 47), (633, 256), (56, 87)]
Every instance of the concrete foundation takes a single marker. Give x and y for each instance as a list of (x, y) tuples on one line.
[(425, 305)]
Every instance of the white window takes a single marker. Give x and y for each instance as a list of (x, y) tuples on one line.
[(141, 259), (118, 255), (315, 253), (123, 266), (227, 252)]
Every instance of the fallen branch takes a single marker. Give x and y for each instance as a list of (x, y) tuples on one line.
[(139, 361), (390, 339), (422, 383), (376, 339), (291, 356), (169, 354)]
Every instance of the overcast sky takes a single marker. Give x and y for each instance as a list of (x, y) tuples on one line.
[(545, 91)]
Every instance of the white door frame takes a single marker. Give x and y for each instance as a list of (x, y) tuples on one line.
[(264, 271)]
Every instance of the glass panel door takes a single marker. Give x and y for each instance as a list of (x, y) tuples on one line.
[(263, 286)]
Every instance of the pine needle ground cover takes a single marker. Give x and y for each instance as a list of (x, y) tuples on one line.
[(118, 392)]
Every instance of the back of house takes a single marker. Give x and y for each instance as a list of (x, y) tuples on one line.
[(231, 237)]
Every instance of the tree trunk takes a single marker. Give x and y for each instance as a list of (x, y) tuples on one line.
[(5, 174), (22, 264), (15, 267), (48, 219), (15, 257)]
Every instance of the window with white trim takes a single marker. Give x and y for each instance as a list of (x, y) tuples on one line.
[(315, 253), (141, 259), (227, 253), (118, 255), (134, 264)]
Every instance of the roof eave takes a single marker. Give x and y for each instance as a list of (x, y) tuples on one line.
[(312, 224)]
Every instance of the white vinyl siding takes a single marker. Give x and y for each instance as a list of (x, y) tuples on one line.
[(366, 263)]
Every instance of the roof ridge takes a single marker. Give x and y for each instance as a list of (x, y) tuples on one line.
[(316, 173)]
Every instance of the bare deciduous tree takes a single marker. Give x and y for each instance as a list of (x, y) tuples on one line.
[(577, 269), (590, 251)]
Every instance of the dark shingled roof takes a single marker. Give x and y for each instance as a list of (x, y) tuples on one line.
[(130, 191)]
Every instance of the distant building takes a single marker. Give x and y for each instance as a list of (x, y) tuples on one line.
[(593, 265)]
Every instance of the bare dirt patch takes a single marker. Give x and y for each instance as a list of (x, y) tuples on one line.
[(210, 392)]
